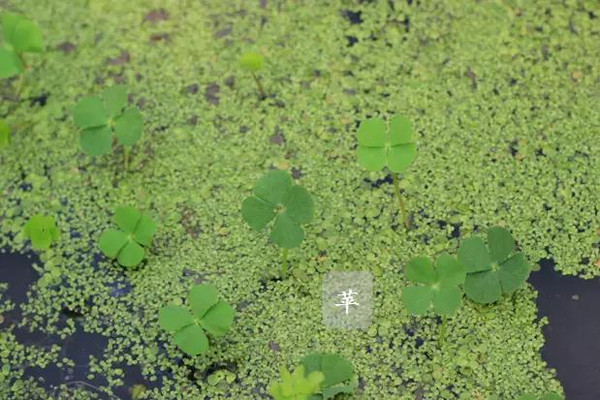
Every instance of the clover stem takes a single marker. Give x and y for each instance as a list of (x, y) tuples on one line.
[(400, 200), (442, 337), (284, 263), (126, 157), (261, 89)]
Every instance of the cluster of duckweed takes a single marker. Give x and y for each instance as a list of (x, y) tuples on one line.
[(503, 99)]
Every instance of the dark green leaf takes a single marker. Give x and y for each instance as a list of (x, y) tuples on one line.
[(447, 300), (144, 232), (131, 254), (201, 298), (500, 243), (115, 99), (417, 299), (286, 233), (273, 186), (128, 127), (89, 112), (420, 269), (257, 213), (174, 318), (218, 319), (483, 287), (450, 271), (191, 340), (334, 367), (111, 242), (299, 205), (96, 141), (126, 218), (513, 273), (474, 255)]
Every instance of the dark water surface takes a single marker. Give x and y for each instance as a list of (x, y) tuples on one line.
[(572, 338)]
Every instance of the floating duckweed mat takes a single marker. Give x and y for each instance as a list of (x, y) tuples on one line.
[(503, 96)]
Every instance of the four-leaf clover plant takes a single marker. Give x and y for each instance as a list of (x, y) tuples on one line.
[(337, 371), (42, 231), (390, 146), (296, 385), (101, 117), (492, 269), (439, 290), (208, 313), (276, 198), (20, 36), (128, 243)]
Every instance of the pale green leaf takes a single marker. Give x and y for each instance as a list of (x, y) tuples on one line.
[(89, 112), (115, 99), (111, 242), (96, 141), (371, 158), (286, 233), (10, 64), (257, 213), (174, 318), (417, 299), (299, 205), (420, 269), (201, 298), (131, 254), (474, 255), (400, 130), (191, 340), (128, 127), (500, 243), (447, 300), (218, 319), (513, 273), (273, 186), (372, 133), (144, 231), (400, 157), (483, 287)]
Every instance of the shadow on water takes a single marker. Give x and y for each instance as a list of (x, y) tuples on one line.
[(573, 335), (16, 270)]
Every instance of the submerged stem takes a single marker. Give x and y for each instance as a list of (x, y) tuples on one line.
[(400, 200), (261, 90), (284, 263)]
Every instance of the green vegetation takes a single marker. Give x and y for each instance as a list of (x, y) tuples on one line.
[(493, 269), (338, 374), (5, 134), (128, 245), (208, 314), (547, 396), (296, 386), (99, 118), (20, 36), (392, 147), (275, 197), (42, 231), (254, 62)]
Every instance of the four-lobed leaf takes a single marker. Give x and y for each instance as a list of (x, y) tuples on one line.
[(440, 285), (20, 35), (99, 118), (276, 197), (338, 374), (492, 268), (208, 313), (127, 243), (380, 146), (296, 385), (42, 231)]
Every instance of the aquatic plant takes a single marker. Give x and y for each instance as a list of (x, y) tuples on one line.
[(253, 62), (296, 385), (101, 117), (492, 269), (20, 36), (439, 289), (392, 147), (275, 197), (337, 371), (128, 244), (41, 231), (5, 134), (209, 314), (547, 396)]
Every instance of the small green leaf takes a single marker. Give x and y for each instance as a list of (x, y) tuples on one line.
[(371, 158), (400, 130), (252, 61), (218, 319), (483, 287), (96, 141), (128, 127), (447, 300), (286, 233), (334, 367), (42, 231), (111, 242), (417, 299), (191, 340), (201, 298), (420, 269), (115, 99), (89, 112), (257, 213), (513, 273), (299, 205), (273, 186), (5, 135), (450, 271), (500, 243), (400, 157), (23, 34), (296, 386), (10, 64), (174, 318), (144, 231), (126, 218), (131, 254), (474, 255), (372, 133)]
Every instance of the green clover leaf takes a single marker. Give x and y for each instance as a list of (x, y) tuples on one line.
[(275, 197), (379, 147), (337, 371), (99, 118), (297, 385), (20, 35), (492, 269), (127, 244), (547, 396), (42, 231), (208, 314), (440, 285)]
